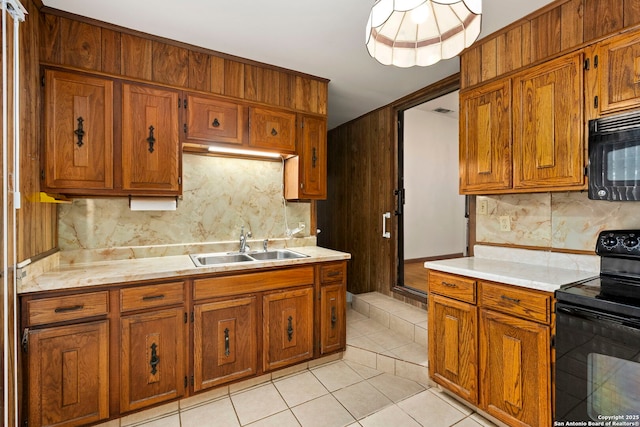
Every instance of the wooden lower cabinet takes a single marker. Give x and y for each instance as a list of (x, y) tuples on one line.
[(490, 344), (515, 369), (453, 357), (287, 327), (224, 341), (152, 360), (99, 354), (68, 374)]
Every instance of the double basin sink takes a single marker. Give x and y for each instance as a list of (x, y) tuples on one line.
[(204, 260)]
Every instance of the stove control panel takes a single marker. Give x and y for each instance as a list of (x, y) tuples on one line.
[(619, 243)]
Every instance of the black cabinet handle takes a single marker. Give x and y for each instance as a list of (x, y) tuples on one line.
[(155, 360), (80, 132), (227, 351), (450, 285), (274, 132), (69, 308), (334, 318), (290, 328), (314, 158), (216, 123), (151, 139)]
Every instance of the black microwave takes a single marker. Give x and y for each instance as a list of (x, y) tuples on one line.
[(614, 157)]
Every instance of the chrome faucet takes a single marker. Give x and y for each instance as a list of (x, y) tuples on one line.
[(243, 240)]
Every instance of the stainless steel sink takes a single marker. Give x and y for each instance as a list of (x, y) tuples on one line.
[(203, 260), (277, 254)]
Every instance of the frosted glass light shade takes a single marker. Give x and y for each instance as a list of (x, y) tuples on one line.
[(396, 36)]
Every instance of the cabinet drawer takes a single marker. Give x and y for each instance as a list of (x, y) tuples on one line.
[(457, 287), (523, 303), (150, 296), (332, 273), (252, 282), (71, 307)]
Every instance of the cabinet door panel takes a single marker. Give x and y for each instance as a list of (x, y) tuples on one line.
[(288, 327), (515, 369), (620, 73), (69, 374), (314, 158), (150, 147), (152, 358), (333, 317), (78, 131), (225, 342), (213, 120), (453, 359), (485, 138), (273, 130), (548, 146)]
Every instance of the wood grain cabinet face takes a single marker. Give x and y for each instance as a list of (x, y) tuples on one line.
[(619, 67), (78, 132), (548, 143), (333, 305), (273, 130), (152, 358), (287, 327), (69, 374), (225, 341), (213, 120), (453, 346), (151, 152), (485, 138), (515, 369), (306, 173)]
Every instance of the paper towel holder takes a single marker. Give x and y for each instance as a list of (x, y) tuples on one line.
[(158, 206)]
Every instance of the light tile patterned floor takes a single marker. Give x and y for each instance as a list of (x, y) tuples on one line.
[(380, 382)]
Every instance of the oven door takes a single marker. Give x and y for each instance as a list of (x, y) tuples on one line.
[(614, 165), (597, 366)]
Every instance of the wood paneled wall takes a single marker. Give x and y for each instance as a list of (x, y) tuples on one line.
[(549, 31), (361, 181), (37, 222), (78, 42)]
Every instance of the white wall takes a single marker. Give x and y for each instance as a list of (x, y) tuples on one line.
[(434, 222)]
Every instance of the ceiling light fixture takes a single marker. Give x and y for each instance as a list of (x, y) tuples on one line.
[(406, 33)]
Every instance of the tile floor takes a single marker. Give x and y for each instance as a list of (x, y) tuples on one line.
[(379, 381)]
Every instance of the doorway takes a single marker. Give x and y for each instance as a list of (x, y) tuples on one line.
[(432, 215)]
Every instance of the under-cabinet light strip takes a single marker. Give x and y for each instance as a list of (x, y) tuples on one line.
[(225, 150)]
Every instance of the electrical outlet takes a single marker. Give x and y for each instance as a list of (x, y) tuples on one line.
[(483, 207), (505, 223)]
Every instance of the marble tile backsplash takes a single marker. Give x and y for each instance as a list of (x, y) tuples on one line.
[(567, 220), (219, 196)]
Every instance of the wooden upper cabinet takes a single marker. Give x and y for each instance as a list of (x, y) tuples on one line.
[(306, 173), (151, 152), (271, 129), (548, 145), (78, 132), (619, 68), (485, 138), (210, 119)]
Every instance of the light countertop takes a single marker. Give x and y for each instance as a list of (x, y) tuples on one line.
[(81, 275), (544, 273)]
